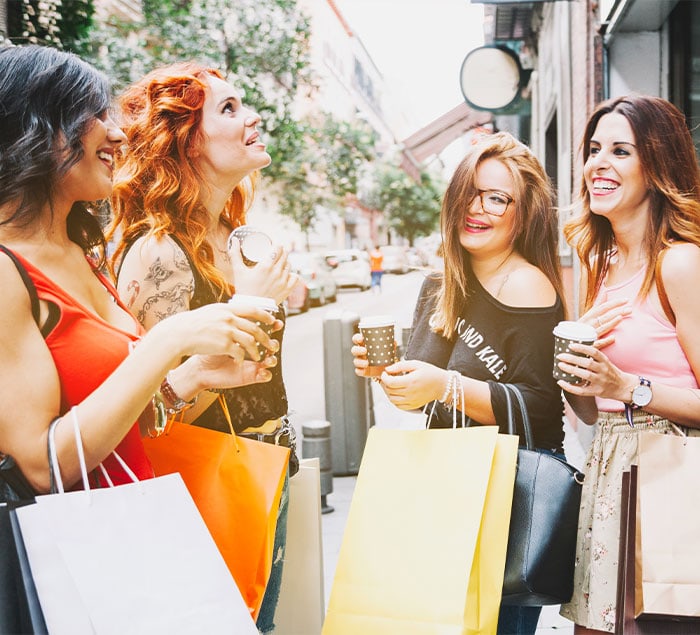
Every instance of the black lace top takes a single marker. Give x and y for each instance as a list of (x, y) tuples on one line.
[(248, 405)]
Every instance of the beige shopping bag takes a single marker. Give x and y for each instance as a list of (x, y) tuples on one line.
[(301, 603), (667, 572), (416, 558)]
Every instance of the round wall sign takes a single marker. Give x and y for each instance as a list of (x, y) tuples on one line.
[(490, 77)]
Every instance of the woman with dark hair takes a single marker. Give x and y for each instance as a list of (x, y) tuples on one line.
[(185, 184), (638, 240), (489, 318), (67, 341)]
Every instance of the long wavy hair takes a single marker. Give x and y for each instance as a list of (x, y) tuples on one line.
[(49, 99), (670, 167), (157, 186), (535, 228)]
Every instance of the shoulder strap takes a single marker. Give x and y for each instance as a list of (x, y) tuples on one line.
[(515, 391), (33, 297), (661, 290)]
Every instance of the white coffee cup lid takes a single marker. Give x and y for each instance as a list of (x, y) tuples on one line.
[(376, 320), (255, 245), (575, 331), (258, 301)]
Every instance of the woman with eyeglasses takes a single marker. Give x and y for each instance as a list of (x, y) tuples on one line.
[(489, 317)]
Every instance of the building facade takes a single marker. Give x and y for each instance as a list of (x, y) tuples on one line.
[(581, 52)]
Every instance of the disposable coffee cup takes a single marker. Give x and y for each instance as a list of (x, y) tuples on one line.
[(255, 245), (564, 334), (380, 342), (259, 302)]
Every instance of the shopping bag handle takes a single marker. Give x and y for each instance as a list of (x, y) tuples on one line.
[(227, 416), (457, 393), (55, 468)]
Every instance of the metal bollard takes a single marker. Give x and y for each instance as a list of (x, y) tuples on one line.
[(316, 442), (349, 406)]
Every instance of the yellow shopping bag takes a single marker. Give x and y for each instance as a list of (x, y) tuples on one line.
[(425, 540)]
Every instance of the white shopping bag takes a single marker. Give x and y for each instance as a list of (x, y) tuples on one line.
[(300, 608), (135, 558)]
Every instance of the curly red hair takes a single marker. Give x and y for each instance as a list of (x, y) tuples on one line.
[(156, 186)]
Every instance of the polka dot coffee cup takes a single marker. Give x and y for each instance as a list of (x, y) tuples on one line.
[(266, 304), (380, 342), (565, 333)]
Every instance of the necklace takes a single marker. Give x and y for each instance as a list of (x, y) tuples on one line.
[(503, 284), (497, 272), (224, 254)]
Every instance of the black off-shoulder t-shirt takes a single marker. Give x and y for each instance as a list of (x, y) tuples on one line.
[(493, 342)]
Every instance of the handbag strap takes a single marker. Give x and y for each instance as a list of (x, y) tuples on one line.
[(28, 283), (512, 389), (661, 289)]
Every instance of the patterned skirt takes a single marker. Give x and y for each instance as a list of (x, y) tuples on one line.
[(613, 450)]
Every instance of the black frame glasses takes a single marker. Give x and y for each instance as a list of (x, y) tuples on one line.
[(495, 202)]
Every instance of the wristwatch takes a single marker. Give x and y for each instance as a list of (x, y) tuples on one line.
[(640, 397)]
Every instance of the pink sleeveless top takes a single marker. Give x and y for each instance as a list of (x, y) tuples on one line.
[(645, 342)]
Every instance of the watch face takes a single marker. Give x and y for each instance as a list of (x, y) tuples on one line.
[(641, 395)]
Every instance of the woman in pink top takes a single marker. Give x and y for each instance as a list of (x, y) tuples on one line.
[(638, 239)]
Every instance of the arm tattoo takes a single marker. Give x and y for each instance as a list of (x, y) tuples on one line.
[(158, 273), (175, 299), (132, 291)]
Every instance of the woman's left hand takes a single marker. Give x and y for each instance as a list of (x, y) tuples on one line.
[(410, 384), (271, 277), (600, 377), (222, 371), (605, 317)]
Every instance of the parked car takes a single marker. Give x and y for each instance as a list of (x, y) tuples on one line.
[(416, 257), (298, 300), (395, 259), (316, 273), (350, 267)]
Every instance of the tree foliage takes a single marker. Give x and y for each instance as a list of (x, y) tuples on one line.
[(59, 23), (263, 48), (411, 209)]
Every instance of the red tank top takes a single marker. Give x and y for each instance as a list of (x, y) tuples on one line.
[(86, 349)]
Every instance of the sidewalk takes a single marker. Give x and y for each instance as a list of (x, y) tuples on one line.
[(333, 524)]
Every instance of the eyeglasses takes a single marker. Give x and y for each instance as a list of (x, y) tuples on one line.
[(494, 202)]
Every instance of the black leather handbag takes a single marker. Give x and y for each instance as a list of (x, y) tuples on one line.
[(544, 521), (20, 611)]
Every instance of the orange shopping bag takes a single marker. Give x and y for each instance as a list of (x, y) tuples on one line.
[(236, 484)]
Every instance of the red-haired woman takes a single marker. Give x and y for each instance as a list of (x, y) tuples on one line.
[(184, 185)]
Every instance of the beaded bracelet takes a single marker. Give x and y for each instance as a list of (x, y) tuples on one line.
[(450, 397), (448, 388), (174, 401)]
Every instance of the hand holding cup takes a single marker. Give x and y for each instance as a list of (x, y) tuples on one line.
[(379, 339), (565, 333), (266, 304)]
